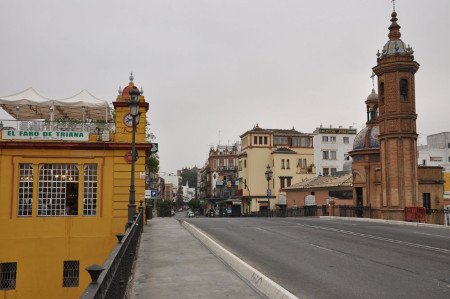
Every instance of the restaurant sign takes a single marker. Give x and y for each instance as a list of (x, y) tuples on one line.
[(45, 135)]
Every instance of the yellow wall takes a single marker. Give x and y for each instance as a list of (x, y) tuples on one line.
[(40, 244)]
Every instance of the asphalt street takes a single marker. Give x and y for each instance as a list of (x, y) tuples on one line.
[(333, 258)]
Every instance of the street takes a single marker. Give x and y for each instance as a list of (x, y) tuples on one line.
[(336, 258)]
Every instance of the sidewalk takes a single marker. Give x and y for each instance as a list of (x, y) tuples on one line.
[(174, 264)]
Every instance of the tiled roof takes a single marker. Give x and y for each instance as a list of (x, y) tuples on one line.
[(279, 132), (284, 150), (343, 180)]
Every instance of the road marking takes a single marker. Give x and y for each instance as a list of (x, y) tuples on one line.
[(426, 247), (442, 250), (325, 248), (439, 236)]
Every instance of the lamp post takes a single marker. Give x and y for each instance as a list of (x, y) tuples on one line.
[(134, 111), (268, 173)]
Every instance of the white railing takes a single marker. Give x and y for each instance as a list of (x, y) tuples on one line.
[(63, 125)]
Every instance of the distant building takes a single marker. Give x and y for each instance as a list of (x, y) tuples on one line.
[(289, 154), (331, 147), (336, 187), (168, 193), (437, 153)]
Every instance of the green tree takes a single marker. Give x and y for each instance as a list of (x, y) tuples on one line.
[(189, 175), (153, 163)]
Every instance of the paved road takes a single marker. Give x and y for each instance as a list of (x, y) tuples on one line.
[(332, 258)]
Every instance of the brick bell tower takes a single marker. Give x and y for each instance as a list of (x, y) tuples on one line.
[(395, 70)]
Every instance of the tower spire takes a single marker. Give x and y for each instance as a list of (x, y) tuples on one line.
[(394, 29)]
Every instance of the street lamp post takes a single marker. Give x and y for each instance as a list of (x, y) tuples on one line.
[(268, 173), (134, 112)]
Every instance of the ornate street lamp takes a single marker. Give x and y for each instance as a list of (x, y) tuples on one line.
[(134, 111), (268, 173)]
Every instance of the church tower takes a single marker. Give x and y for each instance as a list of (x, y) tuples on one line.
[(395, 71)]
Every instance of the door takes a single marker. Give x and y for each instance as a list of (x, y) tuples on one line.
[(359, 202)]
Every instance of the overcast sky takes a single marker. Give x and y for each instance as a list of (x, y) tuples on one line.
[(215, 66)]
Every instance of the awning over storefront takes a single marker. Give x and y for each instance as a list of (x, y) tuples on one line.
[(30, 105)]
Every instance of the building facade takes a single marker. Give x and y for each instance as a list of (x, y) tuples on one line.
[(331, 147), (65, 193), (289, 154), (437, 153)]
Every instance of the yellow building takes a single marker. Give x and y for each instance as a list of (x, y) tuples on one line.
[(64, 189), (290, 156)]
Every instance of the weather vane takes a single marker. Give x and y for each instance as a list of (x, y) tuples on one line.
[(393, 4)]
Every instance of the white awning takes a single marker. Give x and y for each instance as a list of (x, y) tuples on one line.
[(29, 105)]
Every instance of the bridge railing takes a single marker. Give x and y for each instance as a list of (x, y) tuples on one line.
[(111, 279)]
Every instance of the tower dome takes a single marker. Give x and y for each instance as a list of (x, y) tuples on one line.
[(367, 138), (395, 46), (373, 96)]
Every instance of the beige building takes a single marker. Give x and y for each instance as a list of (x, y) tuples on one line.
[(289, 154)]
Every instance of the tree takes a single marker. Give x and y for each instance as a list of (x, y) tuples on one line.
[(189, 175), (153, 163)]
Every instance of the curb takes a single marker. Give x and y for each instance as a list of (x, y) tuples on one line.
[(397, 222), (255, 278)]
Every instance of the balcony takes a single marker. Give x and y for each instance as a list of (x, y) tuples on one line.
[(225, 168)]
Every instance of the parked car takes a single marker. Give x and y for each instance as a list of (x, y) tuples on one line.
[(190, 214)]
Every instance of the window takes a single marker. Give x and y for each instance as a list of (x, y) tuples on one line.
[(382, 92), (287, 164), (255, 139), (289, 181), (325, 155), (326, 171), (282, 163), (333, 155), (300, 141), (448, 145), (332, 170), (265, 140), (403, 90), (260, 140), (332, 138), (245, 163), (8, 272), (346, 140), (25, 199), (71, 274), (280, 140), (324, 138), (448, 159), (58, 190), (282, 183), (90, 190), (426, 200)]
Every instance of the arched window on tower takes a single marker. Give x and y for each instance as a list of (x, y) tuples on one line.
[(403, 90), (382, 92)]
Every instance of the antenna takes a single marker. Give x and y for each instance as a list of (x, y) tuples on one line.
[(393, 4)]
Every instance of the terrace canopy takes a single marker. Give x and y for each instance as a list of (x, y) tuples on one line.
[(30, 105)]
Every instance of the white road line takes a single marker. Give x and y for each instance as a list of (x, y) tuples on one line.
[(442, 250)]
